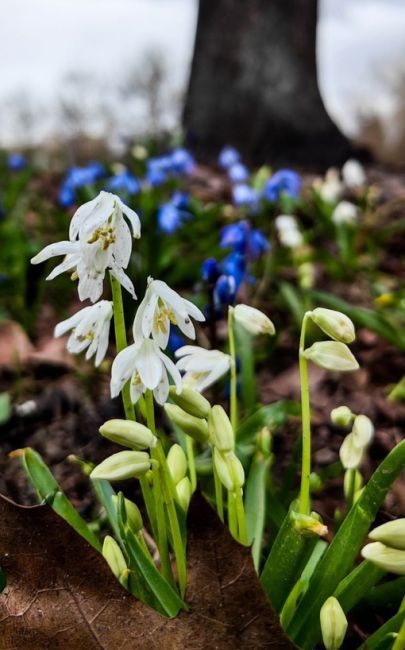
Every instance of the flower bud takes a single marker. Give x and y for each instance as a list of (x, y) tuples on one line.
[(177, 463), (342, 416), (392, 534), (229, 469), (128, 434), (363, 430), (134, 517), (220, 429), (350, 454), (331, 355), (196, 428), (115, 559), (191, 402), (335, 324), (253, 320), (333, 624), (306, 275), (352, 478), (183, 493), (309, 524), (125, 464), (385, 557)]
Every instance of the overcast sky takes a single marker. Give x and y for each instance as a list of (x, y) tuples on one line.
[(361, 44)]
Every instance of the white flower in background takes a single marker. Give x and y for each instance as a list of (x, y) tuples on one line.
[(201, 367), (331, 188), (90, 330), (345, 212), (100, 239), (288, 232), (147, 367), (353, 174), (253, 320), (160, 307)]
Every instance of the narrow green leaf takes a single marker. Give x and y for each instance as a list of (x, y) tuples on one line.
[(105, 492), (388, 594), (5, 407), (357, 584), (381, 639), (255, 504), (342, 552), (244, 342), (49, 490)]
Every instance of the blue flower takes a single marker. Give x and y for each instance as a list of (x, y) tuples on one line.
[(156, 173), (244, 239), (124, 182), (243, 194), (238, 173), (182, 161), (180, 200), (16, 162), (285, 181), (228, 157), (172, 214), (234, 266), (66, 196), (210, 270), (225, 290), (176, 340)]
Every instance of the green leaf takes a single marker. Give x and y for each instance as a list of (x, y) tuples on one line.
[(49, 490), (255, 504), (105, 492), (273, 416), (357, 584), (5, 407), (381, 639), (342, 552)]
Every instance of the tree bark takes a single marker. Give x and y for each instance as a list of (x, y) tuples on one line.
[(253, 84)]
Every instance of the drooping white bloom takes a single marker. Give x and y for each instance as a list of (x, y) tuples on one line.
[(353, 174), (331, 188), (160, 307), (90, 330), (99, 239), (345, 212), (147, 367), (288, 231), (201, 367), (253, 320)]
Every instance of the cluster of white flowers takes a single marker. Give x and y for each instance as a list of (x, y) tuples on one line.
[(351, 177), (288, 231), (100, 240)]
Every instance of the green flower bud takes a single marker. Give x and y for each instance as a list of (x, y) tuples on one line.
[(183, 493), (350, 454), (177, 463), (331, 355), (115, 559), (128, 434), (363, 430), (196, 428), (253, 320), (335, 324), (134, 517), (191, 401), (229, 469), (333, 624), (385, 557), (306, 275), (355, 476), (392, 534), (125, 464), (309, 524), (220, 429), (342, 416)]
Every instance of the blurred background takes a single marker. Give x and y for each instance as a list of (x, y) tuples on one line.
[(85, 75)]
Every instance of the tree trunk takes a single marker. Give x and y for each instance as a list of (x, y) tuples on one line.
[(253, 84)]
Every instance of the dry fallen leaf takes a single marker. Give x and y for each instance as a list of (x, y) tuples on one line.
[(60, 593)]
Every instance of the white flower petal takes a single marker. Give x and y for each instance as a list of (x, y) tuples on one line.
[(53, 250), (123, 279), (68, 263), (122, 368), (132, 218), (149, 365)]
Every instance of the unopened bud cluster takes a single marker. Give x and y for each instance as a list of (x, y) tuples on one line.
[(334, 354), (222, 438), (177, 465), (387, 550)]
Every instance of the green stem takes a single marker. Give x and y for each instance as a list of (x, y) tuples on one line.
[(218, 495), (241, 517), (121, 341), (232, 518), (352, 485), (168, 495), (304, 501), (399, 642), (191, 462), (234, 381)]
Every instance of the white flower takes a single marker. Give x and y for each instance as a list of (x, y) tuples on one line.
[(202, 367), (160, 307), (353, 174), (331, 188), (288, 232), (100, 239), (345, 212), (147, 367), (90, 329), (253, 320)]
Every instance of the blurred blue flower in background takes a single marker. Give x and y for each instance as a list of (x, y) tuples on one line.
[(16, 162), (77, 177), (157, 170), (243, 194), (171, 215), (176, 340), (123, 182), (284, 181), (178, 162), (182, 161), (244, 239), (228, 157), (210, 270), (225, 290), (238, 173), (234, 266), (66, 196)]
